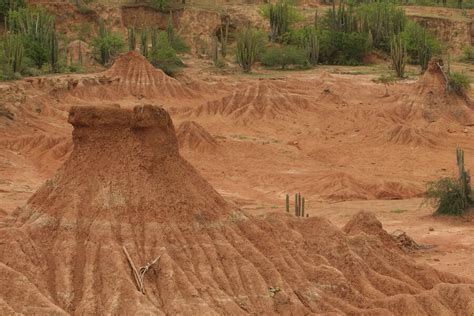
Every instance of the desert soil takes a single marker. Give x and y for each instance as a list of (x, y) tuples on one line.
[(338, 139)]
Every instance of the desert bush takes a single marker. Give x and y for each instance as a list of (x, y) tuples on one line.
[(307, 39), (162, 55), (446, 196), (281, 16), (451, 196), (250, 43), (458, 82), (420, 44), (468, 54), (342, 48), (284, 56), (106, 45)]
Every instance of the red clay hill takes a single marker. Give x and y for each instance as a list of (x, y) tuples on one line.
[(126, 185)]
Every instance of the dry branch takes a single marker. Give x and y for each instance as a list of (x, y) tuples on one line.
[(139, 274)]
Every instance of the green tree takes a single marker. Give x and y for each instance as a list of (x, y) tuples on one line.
[(106, 45), (164, 56)]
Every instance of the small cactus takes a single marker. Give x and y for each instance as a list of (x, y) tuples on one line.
[(144, 43), (287, 203), (132, 40)]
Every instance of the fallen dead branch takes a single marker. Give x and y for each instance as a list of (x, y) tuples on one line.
[(139, 274)]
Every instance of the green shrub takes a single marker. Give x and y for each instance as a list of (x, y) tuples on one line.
[(250, 43), (284, 56), (420, 44), (446, 194), (162, 55), (342, 48), (106, 45), (160, 5), (10, 5), (468, 54), (458, 82)]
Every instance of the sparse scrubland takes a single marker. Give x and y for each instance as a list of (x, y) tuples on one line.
[(199, 157)]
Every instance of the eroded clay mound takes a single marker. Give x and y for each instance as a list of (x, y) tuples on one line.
[(432, 95), (263, 99), (194, 137), (132, 75), (125, 185)]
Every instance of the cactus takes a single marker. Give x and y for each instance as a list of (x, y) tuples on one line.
[(224, 34), (170, 30), (279, 19), (54, 60), (424, 52), (154, 40), (296, 204), (215, 51), (311, 46), (14, 52), (287, 203), (80, 53), (398, 54), (302, 207), (464, 176), (132, 40), (249, 46), (144, 43)]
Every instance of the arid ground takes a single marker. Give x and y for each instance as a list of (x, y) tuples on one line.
[(194, 170)]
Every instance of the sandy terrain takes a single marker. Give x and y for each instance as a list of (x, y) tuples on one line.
[(337, 139)]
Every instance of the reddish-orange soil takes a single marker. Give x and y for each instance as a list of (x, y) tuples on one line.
[(121, 181)]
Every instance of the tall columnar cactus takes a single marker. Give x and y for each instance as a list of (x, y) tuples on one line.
[(279, 19), (154, 40), (296, 205), (144, 43), (287, 204), (464, 176), (302, 207), (424, 52), (170, 30), (104, 53), (79, 57), (54, 48), (311, 46), (132, 39), (249, 46), (398, 54), (14, 52), (224, 34), (215, 51)]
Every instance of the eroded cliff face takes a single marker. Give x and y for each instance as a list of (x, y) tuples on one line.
[(457, 33)]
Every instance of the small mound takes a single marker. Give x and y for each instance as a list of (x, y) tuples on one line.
[(367, 223), (194, 137), (407, 135), (340, 186), (432, 96), (132, 75), (264, 99)]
